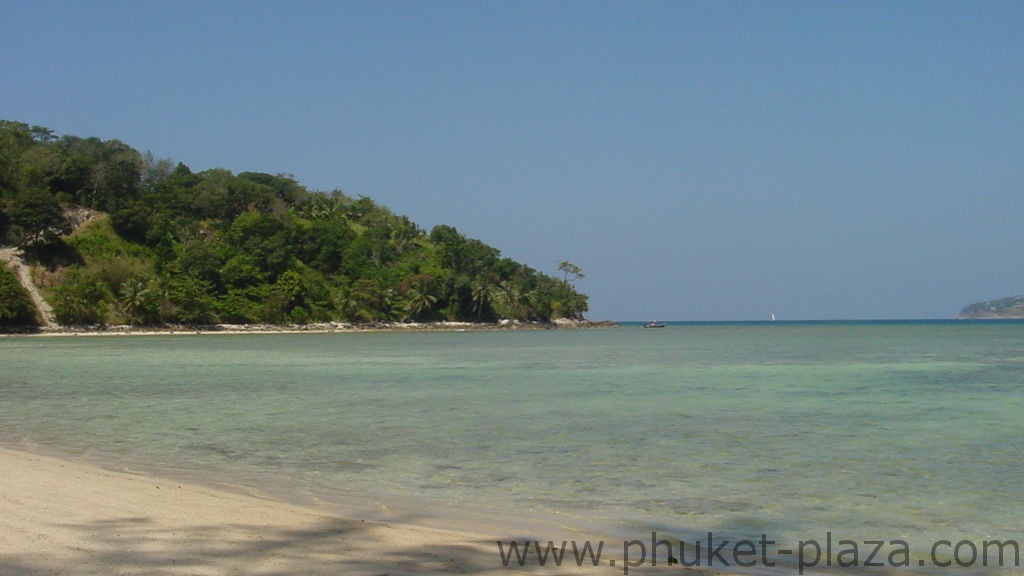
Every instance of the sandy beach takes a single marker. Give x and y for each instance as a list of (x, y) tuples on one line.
[(69, 518)]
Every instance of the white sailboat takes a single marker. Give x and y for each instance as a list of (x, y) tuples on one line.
[(773, 316)]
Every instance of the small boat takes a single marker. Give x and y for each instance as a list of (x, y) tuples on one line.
[(653, 324)]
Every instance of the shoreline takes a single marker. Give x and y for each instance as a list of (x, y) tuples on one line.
[(60, 516), (312, 328)]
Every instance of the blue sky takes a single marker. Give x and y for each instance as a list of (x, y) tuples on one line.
[(700, 160)]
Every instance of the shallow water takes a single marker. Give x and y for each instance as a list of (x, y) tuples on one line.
[(871, 431)]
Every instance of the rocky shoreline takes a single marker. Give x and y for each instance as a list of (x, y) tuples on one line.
[(312, 328)]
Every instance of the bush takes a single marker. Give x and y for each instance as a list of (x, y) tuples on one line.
[(82, 299), (16, 307)]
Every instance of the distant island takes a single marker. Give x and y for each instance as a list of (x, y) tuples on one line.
[(1012, 307), (95, 233)]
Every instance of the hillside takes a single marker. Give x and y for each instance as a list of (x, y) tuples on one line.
[(118, 237), (1012, 307)]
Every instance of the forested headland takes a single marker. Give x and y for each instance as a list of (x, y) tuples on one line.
[(1011, 307), (115, 236)]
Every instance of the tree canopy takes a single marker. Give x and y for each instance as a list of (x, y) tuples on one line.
[(173, 246)]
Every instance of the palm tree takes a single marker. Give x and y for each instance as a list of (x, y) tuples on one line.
[(531, 302), (133, 297), (483, 293), (362, 301), (417, 302), (509, 299), (351, 308)]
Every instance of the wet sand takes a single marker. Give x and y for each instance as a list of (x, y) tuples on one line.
[(68, 518)]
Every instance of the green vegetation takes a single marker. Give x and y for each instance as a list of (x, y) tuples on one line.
[(1012, 307), (173, 246), (16, 307)]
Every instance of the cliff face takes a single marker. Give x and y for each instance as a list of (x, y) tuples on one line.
[(1012, 307)]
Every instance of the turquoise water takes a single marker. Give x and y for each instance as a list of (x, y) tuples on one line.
[(871, 431)]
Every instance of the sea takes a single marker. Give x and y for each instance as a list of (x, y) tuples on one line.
[(788, 433)]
